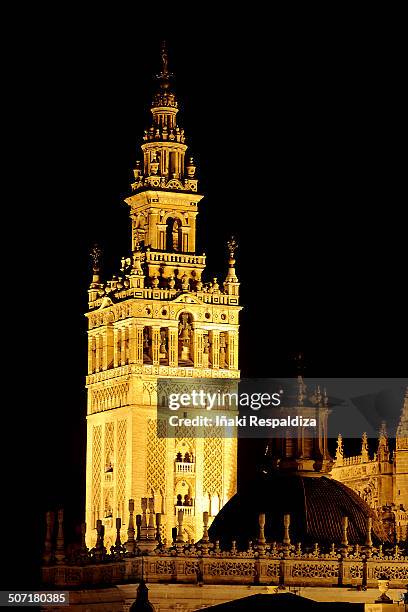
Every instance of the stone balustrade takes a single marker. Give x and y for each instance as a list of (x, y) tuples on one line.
[(185, 468), (191, 564)]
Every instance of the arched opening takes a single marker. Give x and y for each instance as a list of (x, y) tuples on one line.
[(173, 235), (183, 494), (184, 459)]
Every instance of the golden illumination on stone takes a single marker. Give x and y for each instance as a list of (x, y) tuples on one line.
[(158, 319), (382, 481)]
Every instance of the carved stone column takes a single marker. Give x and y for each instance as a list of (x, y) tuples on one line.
[(135, 343), (132, 343), (123, 346), (152, 236), (232, 350), (155, 345), (198, 348), (215, 348), (98, 353), (108, 341), (161, 234), (116, 347), (139, 344), (173, 346), (91, 354)]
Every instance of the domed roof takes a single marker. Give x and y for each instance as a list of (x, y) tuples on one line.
[(316, 505)]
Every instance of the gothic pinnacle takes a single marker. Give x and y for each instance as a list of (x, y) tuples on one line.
[(96, 254), (232, 246)]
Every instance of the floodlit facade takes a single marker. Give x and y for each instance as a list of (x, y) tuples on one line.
[(158, 319), (164, 509), (381, 480)]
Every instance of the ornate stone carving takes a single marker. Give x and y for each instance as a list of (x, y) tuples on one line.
[(213, 460), (273, 570), (230, 568), (96, 470), (156, 457), (165, 567), (314, 570), (392, 572)]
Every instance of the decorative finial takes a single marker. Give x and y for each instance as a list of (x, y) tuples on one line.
[(84, 548), (383, 451), (131, 544), (339, 451), (164, 76), (100, 550), (299, 359), (364, 447), (232, 245), (205, 537), (118, 542), (158, 524), (231, 278), (164, 58), (151, 529), (261, 536), (180, 537), (286, 525), (143, 526), (60, 548), (48, 538), (205, 540), (369, 527), (344, 525), (301, 390), (96, 253), (383, 429)]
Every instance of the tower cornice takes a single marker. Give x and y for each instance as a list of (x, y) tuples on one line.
[(158, 198)]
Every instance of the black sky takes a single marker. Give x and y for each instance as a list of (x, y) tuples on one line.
[(296, 133)]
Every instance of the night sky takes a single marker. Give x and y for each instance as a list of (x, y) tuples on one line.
[(295, 133)]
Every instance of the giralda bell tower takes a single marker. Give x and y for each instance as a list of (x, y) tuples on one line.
[(158, 319)]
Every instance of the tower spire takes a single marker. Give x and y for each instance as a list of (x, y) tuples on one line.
[(164, 76)]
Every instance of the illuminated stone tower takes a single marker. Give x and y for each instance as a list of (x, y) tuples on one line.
[(158, 319)]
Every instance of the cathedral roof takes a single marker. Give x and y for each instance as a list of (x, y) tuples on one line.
[(316, 505)]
